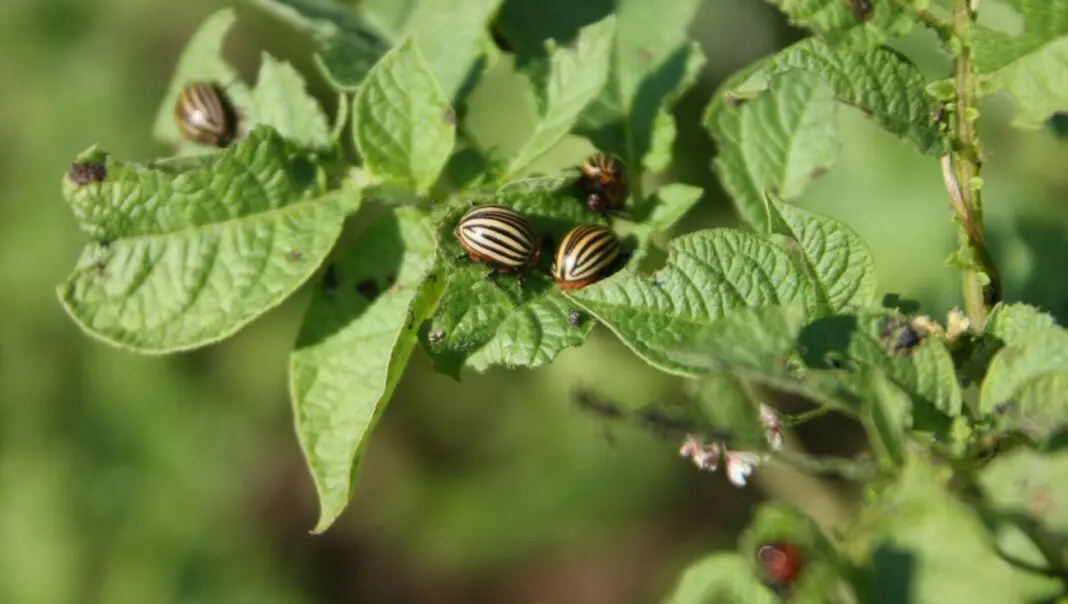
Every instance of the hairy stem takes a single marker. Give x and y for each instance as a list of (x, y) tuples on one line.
[(981, 284)]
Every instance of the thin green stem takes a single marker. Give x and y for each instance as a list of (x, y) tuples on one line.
[(981, 284)]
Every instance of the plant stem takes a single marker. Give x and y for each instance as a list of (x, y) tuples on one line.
[(981, 284)]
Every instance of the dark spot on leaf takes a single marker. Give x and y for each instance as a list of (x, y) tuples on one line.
[(734, 101), (1058, 124), (645, 55), (432, 277), (819, 172), (435, 337), (391, 281), (574, 318), (1006, 407), (86, 173), (862, 9), (101, 269), (294, 255), (330, 280), (901, 335), (450, 117), (367, 288)]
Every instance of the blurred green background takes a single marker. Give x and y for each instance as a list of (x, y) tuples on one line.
[(126, 479)]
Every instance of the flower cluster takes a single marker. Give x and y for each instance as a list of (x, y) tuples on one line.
[(707, 456)]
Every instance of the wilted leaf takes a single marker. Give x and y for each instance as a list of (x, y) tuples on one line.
[(778, 142), (188, 252), (400, 122), (352, 348)]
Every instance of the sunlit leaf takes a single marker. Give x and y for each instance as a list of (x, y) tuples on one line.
[(1031, 65), (401, 120), (187, 252), (356, 339), (1027, 383), (854, 27), (778, 142), (724, 578)]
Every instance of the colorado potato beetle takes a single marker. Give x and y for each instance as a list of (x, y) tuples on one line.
[(584, 256), (499, 237), (782, 564), (604, 183), (205, 114)]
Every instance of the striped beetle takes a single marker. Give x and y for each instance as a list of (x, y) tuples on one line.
[(604, 183), (499, 237), (584, 255), (205, 114)]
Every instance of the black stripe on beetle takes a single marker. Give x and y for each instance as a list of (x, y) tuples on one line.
[(498, 236), (584, 256), (205, 114)]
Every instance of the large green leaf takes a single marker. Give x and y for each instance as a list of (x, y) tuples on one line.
[(1025, 483), (708, 275), (451, 34), (1010, 323), (881, 82), (779, 142), (725, 578), (925, 372), (1027, 383), (278, 100), (929, 548), (354, 344), (839, 23), (401, 120), (482, 324), (187, 252), (564, 86), (835, 258), (654, 63), (1031, 65)]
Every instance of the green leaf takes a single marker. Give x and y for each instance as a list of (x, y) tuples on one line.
[(781, 523), (929, 548), (780, 142), (452, 35), (880, 82), (836, 21), (836, 259), (926, 372), (889, 414), (348, 42), (201, 60), (760, 339), (352, 350), (709, 274), (721, 579), (1029, 66), (482, 324), (281, 101), (654, 63), (1010, 323), (728, 408), (1025, 483), (571, 80), (1027, 383), (187, 252), (401, 120), (673, 201)]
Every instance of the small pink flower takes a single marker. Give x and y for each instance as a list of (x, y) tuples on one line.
[(772, 427), (740, 465)]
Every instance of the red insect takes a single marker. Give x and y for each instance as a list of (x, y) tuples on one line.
[(782, 563)]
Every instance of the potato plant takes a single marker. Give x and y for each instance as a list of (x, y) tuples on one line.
[(966, 481)]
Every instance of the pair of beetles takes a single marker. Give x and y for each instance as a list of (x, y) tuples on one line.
[(494, 235), (503, 239)]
